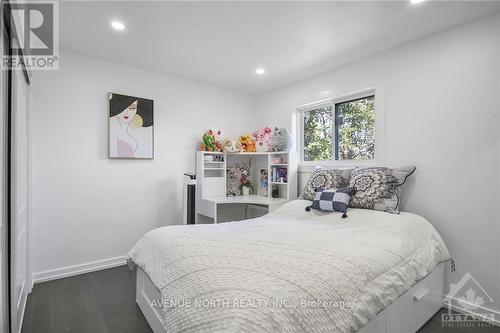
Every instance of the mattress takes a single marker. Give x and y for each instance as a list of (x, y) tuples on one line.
[(289, 271)]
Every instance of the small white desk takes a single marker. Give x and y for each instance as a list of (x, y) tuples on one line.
[(212, 202), (280, 168)]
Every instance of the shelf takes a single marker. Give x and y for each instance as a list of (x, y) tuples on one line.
[(213, 162), (279, 164), (212, 169), (245, 153), (278, 183), (251, 199), (256, 153)]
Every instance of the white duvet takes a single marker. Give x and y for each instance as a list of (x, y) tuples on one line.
[(288, 271)]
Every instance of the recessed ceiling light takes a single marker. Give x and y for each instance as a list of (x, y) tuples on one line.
[(117, 25), (260, 71), (416, 1)]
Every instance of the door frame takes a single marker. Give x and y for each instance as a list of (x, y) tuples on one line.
[(8, 35), (7, 90)]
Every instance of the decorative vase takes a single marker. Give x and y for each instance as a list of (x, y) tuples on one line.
[(245, 190)]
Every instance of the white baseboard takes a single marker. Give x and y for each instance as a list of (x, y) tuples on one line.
[(481, 309), (78, 269)]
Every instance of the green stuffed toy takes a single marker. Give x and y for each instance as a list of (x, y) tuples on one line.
[(208, 141)]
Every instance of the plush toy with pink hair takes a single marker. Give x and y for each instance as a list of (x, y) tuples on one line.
[(211, 141), (263, 139)]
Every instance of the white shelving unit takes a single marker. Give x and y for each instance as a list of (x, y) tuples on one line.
[(211, 179)]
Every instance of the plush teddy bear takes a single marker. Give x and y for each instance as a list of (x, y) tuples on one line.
[(244, 141), (263, 139), (281, 139), (247, 143), (231, 146)]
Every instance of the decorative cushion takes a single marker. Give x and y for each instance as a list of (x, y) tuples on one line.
[(322, 177), (377, 188), (332, 200)]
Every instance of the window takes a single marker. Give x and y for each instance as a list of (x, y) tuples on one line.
[(340, 131)]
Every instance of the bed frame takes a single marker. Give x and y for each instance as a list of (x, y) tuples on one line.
[(405, 315)]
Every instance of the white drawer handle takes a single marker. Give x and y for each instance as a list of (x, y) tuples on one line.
[(420, 294)]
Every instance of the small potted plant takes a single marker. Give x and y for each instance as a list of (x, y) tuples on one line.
[(245, 185)]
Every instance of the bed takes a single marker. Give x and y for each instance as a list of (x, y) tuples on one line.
[(292, 271)]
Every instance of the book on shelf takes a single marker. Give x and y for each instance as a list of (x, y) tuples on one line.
[(279, 175)]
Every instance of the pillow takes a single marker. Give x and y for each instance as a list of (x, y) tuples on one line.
[(377, 188), (332, 200), (326, 179)]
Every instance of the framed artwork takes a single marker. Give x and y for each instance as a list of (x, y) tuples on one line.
[(130, 127), (263, 182)]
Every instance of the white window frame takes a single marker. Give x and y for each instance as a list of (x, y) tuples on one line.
[(326, 103)]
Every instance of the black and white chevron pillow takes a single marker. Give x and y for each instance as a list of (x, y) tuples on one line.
[(332, 200)]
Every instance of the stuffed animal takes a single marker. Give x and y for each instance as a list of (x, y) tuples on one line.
[(218, 140), (211, 141), (251, 146), (247, 143), (231, 146), (263, 139), (281, 139), (207, 142), (244, 141)]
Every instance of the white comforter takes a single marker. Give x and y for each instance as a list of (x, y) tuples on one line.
[(288, 271)]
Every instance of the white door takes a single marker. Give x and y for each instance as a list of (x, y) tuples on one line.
[(19, 197)]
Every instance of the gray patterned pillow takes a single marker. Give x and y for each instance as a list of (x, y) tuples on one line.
[(327, 179), (377, 188)]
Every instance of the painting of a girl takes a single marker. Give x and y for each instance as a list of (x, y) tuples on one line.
[(130, 127)]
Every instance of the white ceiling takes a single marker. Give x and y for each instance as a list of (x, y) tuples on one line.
[(222, 43)]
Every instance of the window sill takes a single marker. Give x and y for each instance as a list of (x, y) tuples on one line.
[(309, 166)]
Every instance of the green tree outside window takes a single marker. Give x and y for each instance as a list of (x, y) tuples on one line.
[(351, 122)]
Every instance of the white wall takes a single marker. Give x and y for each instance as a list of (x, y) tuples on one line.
[(438, 102), (88, 208)]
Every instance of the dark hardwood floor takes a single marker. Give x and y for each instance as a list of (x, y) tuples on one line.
[(104, 302), (98, 302)]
